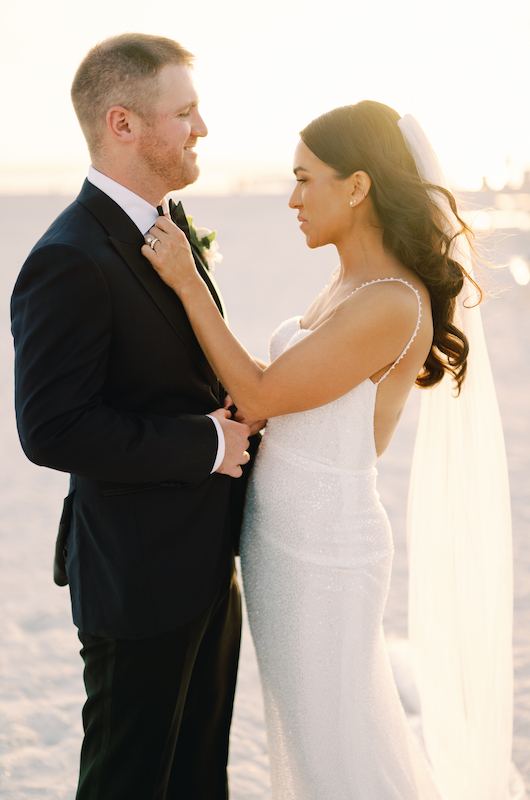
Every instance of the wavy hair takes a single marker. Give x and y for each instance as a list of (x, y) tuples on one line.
[(366, 137)]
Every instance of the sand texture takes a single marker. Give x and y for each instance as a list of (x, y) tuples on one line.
[(267, 275)]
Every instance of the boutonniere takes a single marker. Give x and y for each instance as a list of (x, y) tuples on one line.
[(203, 239)]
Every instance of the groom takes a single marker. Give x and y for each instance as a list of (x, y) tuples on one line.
[(111, 386)]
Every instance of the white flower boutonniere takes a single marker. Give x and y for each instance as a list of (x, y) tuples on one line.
[(203, 239)]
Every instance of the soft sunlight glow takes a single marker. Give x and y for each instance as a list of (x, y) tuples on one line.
[(262, 77), (520, 271), (481, 221)]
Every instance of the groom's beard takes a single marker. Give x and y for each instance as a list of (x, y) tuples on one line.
[(177, 170)]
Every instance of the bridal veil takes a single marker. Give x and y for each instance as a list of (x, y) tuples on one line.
[(460, 556)]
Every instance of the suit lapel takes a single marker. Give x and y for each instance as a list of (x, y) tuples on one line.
[(127, 240), (179, 218)]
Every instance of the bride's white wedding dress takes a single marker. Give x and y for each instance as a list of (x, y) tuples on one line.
[(316, 558)]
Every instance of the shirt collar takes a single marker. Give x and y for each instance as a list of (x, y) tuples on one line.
[(142, 213)]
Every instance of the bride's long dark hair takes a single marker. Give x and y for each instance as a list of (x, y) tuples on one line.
[(366, 137)]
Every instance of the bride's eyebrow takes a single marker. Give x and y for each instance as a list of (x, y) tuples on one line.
[(296, 170)]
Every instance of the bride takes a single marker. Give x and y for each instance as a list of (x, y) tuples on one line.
[(317, 549)]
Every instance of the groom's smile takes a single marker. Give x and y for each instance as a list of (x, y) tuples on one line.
[(169, 136)]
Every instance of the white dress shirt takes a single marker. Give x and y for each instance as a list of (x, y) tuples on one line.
[(144, 216)]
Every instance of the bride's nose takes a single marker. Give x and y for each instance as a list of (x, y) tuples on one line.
[(294, 202)]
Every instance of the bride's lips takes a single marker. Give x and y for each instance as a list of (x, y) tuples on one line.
[(302, 222)]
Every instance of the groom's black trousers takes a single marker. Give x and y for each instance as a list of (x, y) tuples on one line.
[(158, 712)]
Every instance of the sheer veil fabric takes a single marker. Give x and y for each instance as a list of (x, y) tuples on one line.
[(460, 557)]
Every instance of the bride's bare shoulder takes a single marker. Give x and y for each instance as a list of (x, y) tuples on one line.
[(383, 314), (394, 296)]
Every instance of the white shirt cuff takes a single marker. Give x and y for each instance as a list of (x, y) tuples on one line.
[(220, 446)]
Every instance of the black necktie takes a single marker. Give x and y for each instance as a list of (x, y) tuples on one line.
[(177, 214)]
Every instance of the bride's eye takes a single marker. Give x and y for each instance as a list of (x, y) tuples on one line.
[(301, 180)]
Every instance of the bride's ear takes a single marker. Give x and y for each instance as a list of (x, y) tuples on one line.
[(360, 184)]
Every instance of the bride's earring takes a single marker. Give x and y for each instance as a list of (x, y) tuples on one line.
[(352, 202)]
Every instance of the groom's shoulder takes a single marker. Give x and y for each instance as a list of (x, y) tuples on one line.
[(76, 244), (76, 226)]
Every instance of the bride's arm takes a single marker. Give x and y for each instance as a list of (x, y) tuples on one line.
[(359, 339)]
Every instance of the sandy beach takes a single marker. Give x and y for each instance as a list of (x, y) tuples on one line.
[(267, 275)]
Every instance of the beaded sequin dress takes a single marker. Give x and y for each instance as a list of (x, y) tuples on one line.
[(316, 557)]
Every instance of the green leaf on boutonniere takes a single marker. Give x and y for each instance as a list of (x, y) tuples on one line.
[(203, 239), (202, 242)]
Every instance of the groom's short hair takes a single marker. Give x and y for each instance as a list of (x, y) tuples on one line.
[(121, 71)]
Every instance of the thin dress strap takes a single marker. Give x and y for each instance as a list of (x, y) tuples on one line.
[(397, 280)]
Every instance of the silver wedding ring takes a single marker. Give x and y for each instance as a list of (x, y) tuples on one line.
[(152, 243)]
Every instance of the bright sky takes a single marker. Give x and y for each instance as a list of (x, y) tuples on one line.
[(266, 69)]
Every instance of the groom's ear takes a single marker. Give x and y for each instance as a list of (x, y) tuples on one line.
[(120, 123)]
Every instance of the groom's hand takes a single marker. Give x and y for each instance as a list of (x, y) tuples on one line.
[(236, 442)]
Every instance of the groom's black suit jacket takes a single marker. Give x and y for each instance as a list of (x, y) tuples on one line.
[(114, 390)]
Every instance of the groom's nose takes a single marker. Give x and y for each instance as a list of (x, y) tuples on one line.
[(199, 126)]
